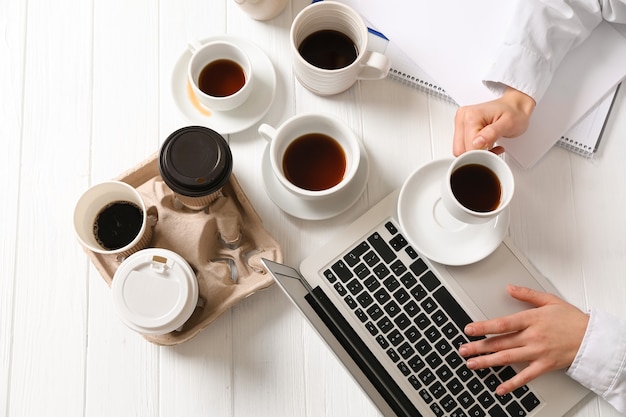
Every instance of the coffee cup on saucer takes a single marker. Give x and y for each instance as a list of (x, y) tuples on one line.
[(220, 74), (262, 9), (313, 156), (478, 186)]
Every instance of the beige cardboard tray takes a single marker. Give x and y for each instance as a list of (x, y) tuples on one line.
[(226, 273)]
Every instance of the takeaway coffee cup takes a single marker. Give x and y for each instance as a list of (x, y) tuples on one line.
[(314, 156), (154, 291), (220, 74), (329, 42), (195, 162), (111, 218), (478, 186), (262, 9)]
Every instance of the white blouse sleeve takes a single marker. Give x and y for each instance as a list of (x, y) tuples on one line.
[(540, 35), (600, 363)]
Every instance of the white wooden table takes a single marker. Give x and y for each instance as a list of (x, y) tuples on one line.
[(85, 95)]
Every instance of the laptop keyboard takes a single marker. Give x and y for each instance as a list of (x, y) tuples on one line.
[(418, 324)]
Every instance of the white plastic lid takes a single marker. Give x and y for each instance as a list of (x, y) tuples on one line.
[(155, 291)]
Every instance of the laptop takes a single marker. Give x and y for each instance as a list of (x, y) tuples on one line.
[(395, 320)]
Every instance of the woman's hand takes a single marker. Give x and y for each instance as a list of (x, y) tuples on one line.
[(479, 126), (546, 337)]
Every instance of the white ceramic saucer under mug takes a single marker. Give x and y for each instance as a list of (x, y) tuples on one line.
[(236, 120), (314, 209), (433, 231)]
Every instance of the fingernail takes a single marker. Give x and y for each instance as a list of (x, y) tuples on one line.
[(479, 142), (463, 351), (471, 364), (500, 391), (469, 330)]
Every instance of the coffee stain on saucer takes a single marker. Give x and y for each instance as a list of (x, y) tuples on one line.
[(195, 102)]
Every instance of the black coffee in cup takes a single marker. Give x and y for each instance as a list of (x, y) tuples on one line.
[(476, 187), (117, 224), (195, 162), (328, 49), (314, 162), (221, 78)]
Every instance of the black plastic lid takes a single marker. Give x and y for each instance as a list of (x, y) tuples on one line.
[(195, 161)]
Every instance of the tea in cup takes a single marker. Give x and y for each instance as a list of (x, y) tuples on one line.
[(220, 75), (329, 42), (314, 156), (478, 186)]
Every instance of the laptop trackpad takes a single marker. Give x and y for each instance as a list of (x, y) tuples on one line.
[(485, 282)]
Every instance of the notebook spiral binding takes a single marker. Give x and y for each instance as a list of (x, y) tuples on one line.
[(422, 85)]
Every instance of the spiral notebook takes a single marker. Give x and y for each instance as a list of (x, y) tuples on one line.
[(583, 138)]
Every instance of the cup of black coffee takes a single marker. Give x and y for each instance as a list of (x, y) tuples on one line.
[(314, 156), (111, 218), (195, 162), (220, 74), (329, 43), (478, 186)]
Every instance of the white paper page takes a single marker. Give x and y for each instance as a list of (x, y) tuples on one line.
[(455, 40)]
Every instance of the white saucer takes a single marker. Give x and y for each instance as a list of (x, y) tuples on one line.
[(433, 231), (314, 209), (236, 120)]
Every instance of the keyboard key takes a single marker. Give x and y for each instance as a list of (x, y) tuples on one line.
[(371, 328), (419, 293), (391, 228), (406, 350), (515, 410), (330, 276), (418, 267), (416, 363), (426, 396), (353, 257), (437, 410), (371, 283), (375, 312), (411, 252), (350, 302), (443, 347), (381, 271), (448, 403), (439, 318), (401, 296), (404, 369), (382, 341), (393, 355), (422, 321), (449, 331), (341, 290), (354, 286), (408, 280), (434, 360), (432, 334), (362, 271), (402, 321), (382, 296), (444, 373), (464, 373), (530, 402), (371, 258), (486, 399), (384, 324), (365, 299), (411, 308), (412, 334), (492, 382), (458, 413), (342, 271), (475, 386), (395, 337), (454, 386), (392, 308), (415, 382), (465, 399), (427, 377), (381, 247), (361, 315), (454, 360), (497, 411), (391, 284), (476, 411), (437, 390), (430, 281), (428, 305), (398, 268), (398, 242)]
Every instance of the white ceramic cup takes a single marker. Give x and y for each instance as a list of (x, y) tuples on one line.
[(155, 291), (210, 53), (262, 9), (478, 189), (330, 15), (305, 124), (93, 201)]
